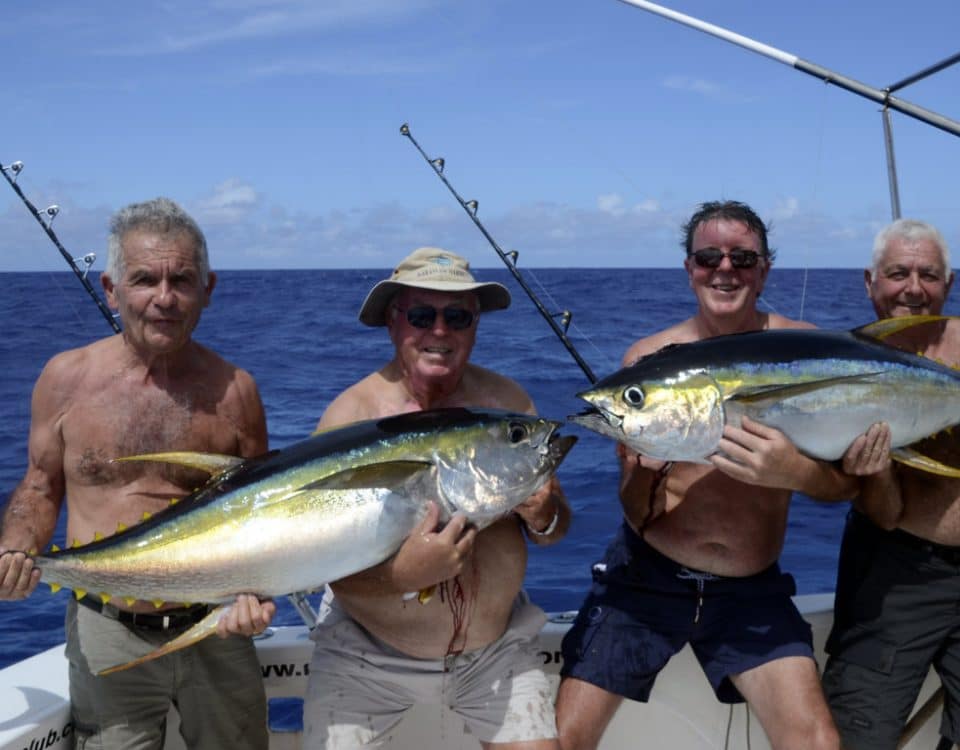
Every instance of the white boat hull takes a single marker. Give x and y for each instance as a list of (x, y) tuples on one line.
[(682, 714)]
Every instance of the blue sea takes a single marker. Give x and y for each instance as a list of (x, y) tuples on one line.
[(297, 333)]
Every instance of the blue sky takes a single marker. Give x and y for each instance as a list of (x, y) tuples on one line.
[(587, 130)]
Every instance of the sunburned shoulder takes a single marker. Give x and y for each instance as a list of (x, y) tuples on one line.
[(357, 402), (73, 364), (775, 321), (496, 391), (681, 333)]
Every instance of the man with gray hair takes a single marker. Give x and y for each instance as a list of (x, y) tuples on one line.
[(148, 389), (472, 645), (898, 581)]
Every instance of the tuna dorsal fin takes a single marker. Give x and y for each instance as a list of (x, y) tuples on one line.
[(914, 459), (388, 474), (885, 327), (779, 392), (198, 632), (212, 463)]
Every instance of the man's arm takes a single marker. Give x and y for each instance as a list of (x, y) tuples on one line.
[(32, 511), (248, 615), (252, 434)]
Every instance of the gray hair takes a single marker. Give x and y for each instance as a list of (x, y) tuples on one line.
[(160, 215), (910, 230)]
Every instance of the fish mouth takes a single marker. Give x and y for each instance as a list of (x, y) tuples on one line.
[(594, 414), (559, 446), (601, 421)]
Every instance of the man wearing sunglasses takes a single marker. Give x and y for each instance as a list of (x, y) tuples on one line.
[(696, 558), (472, 645)]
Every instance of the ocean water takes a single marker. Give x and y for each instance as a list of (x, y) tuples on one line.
[(297, 333)]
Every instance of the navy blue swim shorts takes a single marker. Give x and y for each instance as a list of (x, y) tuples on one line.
[(643, 608)]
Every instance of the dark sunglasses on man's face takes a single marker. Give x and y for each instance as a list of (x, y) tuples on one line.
[(424, 316), (712, 258)]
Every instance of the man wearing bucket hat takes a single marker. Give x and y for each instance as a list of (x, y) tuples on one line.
[(472, 645)]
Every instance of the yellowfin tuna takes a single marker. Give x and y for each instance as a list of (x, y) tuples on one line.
[(820, 388), (319, 510)]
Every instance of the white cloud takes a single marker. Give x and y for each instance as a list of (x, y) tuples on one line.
[(785, 208), (610, 203), (230, 201), (246, 20)]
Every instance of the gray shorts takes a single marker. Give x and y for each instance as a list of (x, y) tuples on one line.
[(360, 688), (215, 684)]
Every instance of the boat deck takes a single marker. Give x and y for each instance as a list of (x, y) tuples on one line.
[(682, 713)]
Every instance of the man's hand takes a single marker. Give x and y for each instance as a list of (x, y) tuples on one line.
[(540, 509), (18, 576), (757, 454), (870, 452), (429, 556), (248, 615)]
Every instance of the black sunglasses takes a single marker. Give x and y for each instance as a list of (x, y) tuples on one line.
[(424, 316), (711, 257)]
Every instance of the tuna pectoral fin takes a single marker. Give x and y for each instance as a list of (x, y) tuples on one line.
[(386, 475), (759, 394), (212, 463), (206, 626), (915, 460), (885, 327)]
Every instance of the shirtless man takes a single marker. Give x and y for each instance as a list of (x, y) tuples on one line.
[(472, 646), (898, 581), (696, 558), (151, 388)]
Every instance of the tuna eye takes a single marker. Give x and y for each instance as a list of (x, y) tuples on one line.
[(633, 396), (517, 432)]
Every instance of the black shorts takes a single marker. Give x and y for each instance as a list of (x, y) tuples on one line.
[(643, 608), (897, 612)]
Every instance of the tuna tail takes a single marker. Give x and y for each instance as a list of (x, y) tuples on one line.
[(207, 626)]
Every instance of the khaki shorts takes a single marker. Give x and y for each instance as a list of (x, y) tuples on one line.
[(216, 685), (360, 688)]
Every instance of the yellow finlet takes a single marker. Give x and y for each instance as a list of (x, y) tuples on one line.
[(174, 500), (147, 515), (55, 587), (97, 536), (105, 597), (129, 600), (157, 603), (76, 543), (121, 527), (79, 593), (425, 595), (33, 552), (54, 548)]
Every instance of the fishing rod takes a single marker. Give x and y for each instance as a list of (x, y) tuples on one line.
[(45, 219), (509, 259), (882, 96)]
